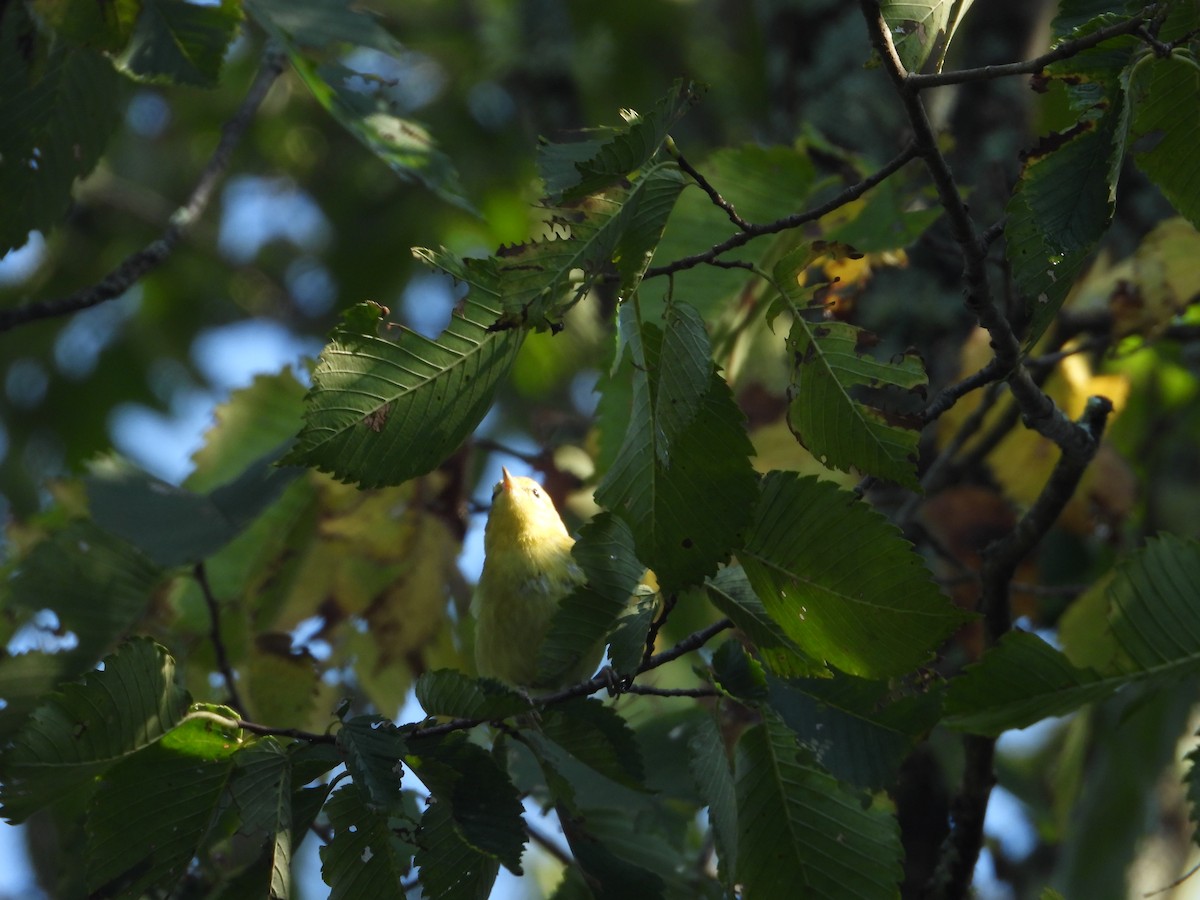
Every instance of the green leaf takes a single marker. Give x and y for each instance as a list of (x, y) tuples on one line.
[(373, 747), (709, 764), (87, 726), (448, 692), (382, 412), (597, 736), (318, 24), (1155, 628), (100, 26), (730, 592), (537, 282), (451, 869), (177, 42), (403, 145), (1191, 782), (799, 827), (481, 799), (56, 115), (831, 360), (840, 580), (174, 526), (152, 810), (262, 787), (854, 728), (365, 858), (682, 479), (1165, 94), (922, 29), (618, 858), (605, 553), (574, 170), (737, 673)]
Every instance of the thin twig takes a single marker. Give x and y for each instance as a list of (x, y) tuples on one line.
[(1065, 50), (656, 626), (150, 257), (787, 222), (214, 618), (707, 187), (293, 733), (549, 846), (648, 690)]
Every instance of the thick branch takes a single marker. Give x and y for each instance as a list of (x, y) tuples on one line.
[(960, 851), (150, 257), (1065, 50)]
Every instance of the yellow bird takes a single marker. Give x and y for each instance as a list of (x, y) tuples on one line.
[(527, 571)]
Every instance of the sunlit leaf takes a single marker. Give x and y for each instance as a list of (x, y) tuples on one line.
[(841, 582), (381, 412), (798, 826)]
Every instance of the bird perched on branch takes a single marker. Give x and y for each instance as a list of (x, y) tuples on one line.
[(527, 571)]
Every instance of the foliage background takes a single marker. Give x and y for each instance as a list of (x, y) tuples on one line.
[(309, 223)]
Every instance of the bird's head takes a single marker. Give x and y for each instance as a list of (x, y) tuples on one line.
[(522, 512)]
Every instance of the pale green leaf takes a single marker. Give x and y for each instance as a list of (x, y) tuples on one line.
[(800, 831), (841, 581), (381, 412), (86, 727), (682, 479), (923, 29), (152, 810)]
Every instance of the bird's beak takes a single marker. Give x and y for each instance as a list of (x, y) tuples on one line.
[(507, 480)]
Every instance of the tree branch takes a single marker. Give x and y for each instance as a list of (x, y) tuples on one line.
[(214, 618), (752, 231), (960, 851), (154, 254), (707, 187), (1065, 50)]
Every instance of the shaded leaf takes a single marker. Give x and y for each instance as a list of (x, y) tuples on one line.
[(682, 479), (319, 23), (448, 692), (365, 858), (262, 787), (922, 29), (798, 826), (373, 747), (1165, 133), (841, 582), (152, 810), (451, 869), (381, 412), (709, 764), (85, 727), (830, 361), (176, 42), (597, 736)]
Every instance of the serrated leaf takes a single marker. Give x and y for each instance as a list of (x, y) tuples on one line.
[(365, 857), (840, 580), (852, 727), (451, 869), (1155, 629), (738, 673), (798, 826), (373, 747), (448, 692), (174, 526), (730, 592), (537, 282), (382, 412), (709, 764), (102, 26), (597, 736), (481, 799), (318, 24), (55, 121), (262, 787), (86, 727), (604, 551), (574, 170), (152, 810), (618, 859), (830, 361), (682, 479), (1166, 131), (922, 29), (177, 42), (404, 145)]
